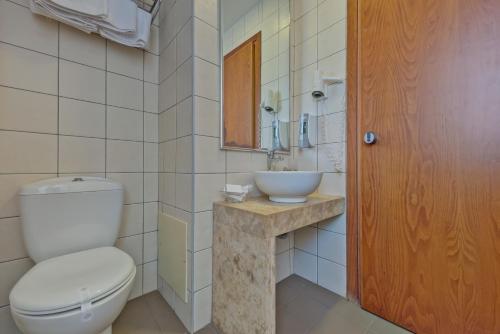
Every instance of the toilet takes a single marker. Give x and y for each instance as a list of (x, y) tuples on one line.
[(80, 282)]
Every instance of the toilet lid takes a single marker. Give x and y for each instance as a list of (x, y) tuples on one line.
[(66, 282)]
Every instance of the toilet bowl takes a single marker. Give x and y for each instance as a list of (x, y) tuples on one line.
[(79, 293), (80, 282)]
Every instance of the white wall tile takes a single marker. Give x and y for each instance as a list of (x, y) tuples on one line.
[(10, 273), (27, 111), (206, 79), (21, 68), (22, 152), (133, 184), (333, 184), (185, 117), (184, 80), (206, 117), (306, 239), (149, 277), (81, 155), (332, 246), (303, 6), (151, 127), (124, 124), (207, 190), (151, 97), (80, 47), (184, 191), (330, 12), (283, 266), (306, 53), (168, 63), (203, 230), (184, 43), (305, 265), (150, 217), (20, 27), (202, 308), (132, 245), (124, 60), (11, 240), (6, 321), (150, 187), (80, 118), (124, 92), (132, 220), (207, 10), (167, 93), (332, 276), (205, 162), (150, 157), (9, 188), (206, 41), (124, 156), (137, 287), (81, 82), (332, 39), (184, 155), (331, 157), (151, 68), (167, 125), (202, 275), (306, 26), (150, 246), (336, 224)]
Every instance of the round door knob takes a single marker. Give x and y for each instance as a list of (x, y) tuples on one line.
[(370, 138)]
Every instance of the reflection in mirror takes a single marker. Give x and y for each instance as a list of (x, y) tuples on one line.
[(255, 74)]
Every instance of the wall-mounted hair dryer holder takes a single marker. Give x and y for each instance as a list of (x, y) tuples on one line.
[(321, 83)]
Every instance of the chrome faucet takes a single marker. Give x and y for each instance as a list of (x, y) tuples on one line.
[(272, 158)]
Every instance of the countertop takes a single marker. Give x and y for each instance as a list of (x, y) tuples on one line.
[(263, 218)]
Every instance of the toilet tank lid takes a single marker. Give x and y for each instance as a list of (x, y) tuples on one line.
[(74, 184)]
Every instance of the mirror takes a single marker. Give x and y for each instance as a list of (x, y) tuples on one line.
[(255, 76)]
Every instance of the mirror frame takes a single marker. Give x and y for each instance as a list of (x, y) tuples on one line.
[(221, 89)]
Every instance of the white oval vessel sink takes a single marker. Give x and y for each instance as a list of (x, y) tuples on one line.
[(288, 186)]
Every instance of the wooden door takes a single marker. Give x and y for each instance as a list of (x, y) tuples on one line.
[(429, 188), (241, 103)]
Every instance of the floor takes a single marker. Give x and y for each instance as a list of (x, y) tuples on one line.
[(302, 308)]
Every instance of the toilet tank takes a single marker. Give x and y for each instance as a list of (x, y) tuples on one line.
[(70, 214)]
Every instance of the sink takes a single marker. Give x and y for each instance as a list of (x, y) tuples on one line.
[(288, 186)]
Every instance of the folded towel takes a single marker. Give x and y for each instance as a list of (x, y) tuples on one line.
[(74, 20), (96, 8), (124, 22), (139, 39), (122, 16)]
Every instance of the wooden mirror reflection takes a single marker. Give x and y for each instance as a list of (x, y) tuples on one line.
[(255, 102)]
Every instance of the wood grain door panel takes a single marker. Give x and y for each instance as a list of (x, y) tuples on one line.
[(429, 73), (241, 103)]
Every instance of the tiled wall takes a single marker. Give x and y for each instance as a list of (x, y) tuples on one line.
[(75, 104), (194, 169), (176, 180), (320, 42)]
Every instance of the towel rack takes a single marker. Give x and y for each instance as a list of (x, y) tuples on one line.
[(151, 6)]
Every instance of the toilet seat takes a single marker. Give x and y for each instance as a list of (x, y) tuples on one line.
[(72, 281)]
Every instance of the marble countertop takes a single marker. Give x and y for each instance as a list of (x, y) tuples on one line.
[(263, 218)]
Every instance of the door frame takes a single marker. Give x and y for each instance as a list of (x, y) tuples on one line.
[(352, 190)]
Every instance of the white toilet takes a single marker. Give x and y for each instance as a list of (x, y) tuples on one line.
[(80, 282)]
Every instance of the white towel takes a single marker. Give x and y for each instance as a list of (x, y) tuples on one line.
[(139, 39), (122, 17), (77, 21), (96, 8)]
